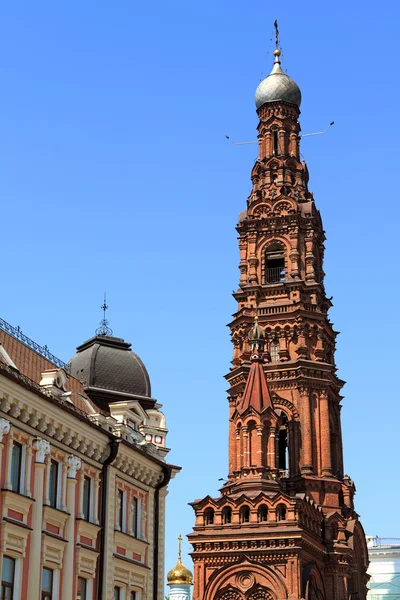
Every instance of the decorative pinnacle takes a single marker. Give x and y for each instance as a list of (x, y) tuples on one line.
[(257, 341), (104, 329), (180, 548)]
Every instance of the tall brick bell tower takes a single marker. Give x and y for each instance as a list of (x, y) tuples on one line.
[(284, 525)]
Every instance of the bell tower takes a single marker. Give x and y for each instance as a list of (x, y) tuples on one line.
[(284, 525)]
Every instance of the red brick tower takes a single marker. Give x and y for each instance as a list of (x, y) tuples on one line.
[(284, 525)]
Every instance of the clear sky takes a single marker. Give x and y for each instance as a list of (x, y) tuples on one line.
[(115, 175)]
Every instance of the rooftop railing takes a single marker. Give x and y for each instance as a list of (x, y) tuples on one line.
[(16, 333)]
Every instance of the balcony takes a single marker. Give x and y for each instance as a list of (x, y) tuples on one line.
[(275, 274)]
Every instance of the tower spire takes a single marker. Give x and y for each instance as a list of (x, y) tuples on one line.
[(104, 328)]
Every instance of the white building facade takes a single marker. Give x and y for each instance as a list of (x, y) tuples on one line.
[(384, 568)]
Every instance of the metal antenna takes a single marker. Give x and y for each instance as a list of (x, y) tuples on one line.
[(238, 143), (318, 132), (104, 329), (301, 135)]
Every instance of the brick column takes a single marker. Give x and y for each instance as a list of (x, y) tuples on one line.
[(68, 578), (271, 448), (326, 463), (42, 448), (259, 438), (245, 436), (306, 432)]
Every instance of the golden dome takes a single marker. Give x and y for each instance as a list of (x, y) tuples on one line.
[(180, 574)]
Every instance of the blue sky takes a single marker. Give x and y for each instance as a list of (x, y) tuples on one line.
[(115, 175)]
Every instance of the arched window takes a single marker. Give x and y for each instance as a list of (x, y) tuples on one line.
[(274, 351), (274, 264), (244, 514), (227, 515), (262, 513), (209, 516), (281, 512)]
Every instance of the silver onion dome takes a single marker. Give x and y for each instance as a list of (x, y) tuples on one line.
[(277, 86)]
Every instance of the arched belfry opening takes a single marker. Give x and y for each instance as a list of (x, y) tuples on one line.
[(274, 257), (283, 445)]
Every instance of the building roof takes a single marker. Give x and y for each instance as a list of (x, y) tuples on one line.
[(31, 364), (256, 393), (107, 365)]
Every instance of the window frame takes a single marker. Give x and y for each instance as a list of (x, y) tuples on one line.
[(86, 586), (20, 479), (45, 595), (7, 584), (87, 506), (117, 589), (122, 509), (245, 511), (135, 517), (53, 494)]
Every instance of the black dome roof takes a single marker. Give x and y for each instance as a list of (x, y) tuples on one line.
[(108, 363)]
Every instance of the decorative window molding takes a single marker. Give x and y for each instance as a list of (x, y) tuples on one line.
[(55, 517), (86, 561), (88, 531), (13, 539), (52, 551), (17, 503)]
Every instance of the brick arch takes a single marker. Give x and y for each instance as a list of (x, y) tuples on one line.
[(260, 593), (229, 593), (274, 239), (313, 582), (286, 406), (228, 577)]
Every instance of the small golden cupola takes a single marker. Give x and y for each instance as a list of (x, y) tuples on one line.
[(180, 578)]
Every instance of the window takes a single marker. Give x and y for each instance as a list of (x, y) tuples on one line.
[(47, 584), (86, 498), (53, 483), (117, 593), (281, 513), (244, 514), (132, 596), (120, 499), (208, 516), (135, 517), (283, 446), (8, 574), (16, 464), (82, 591), (275, 136), (262, 513), (274, 264), (274, 351), (227, 515)]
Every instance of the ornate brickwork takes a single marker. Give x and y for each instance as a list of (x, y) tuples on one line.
[(284, 525)]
